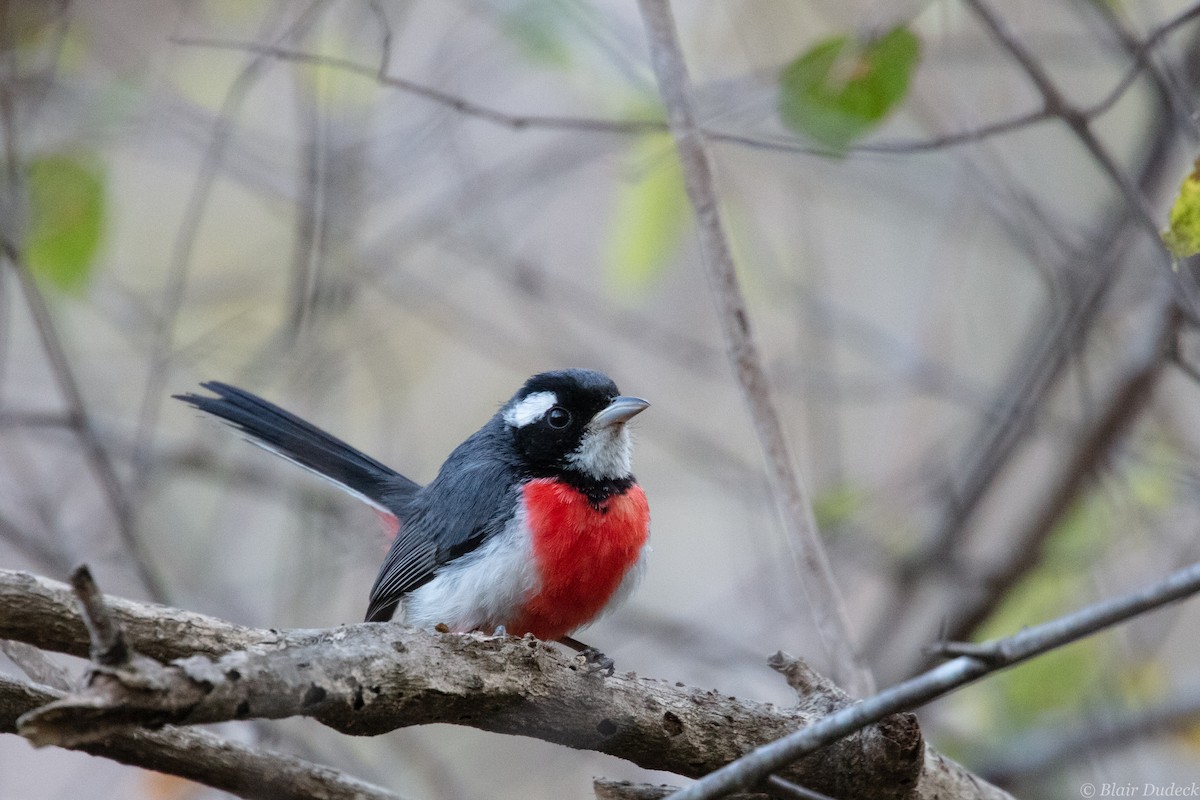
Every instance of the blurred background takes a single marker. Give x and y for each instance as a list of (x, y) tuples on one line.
[(385, 215)]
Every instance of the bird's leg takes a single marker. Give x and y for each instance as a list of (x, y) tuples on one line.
[(591, 656)]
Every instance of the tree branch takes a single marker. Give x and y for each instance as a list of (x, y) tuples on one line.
[(202, 756), (1138, 50), (454, 102), (817, 580), (1074, 118), (80, 420), (368, 679), (1122, 405), (1043, 752), (989, 657)]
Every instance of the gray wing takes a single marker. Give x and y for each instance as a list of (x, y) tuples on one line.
[(471, 500)]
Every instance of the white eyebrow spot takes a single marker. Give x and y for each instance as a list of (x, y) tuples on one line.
[(530, 409)]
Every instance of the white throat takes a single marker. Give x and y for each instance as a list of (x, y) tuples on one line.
[(604, 453)]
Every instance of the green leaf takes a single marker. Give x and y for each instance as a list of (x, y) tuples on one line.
[(1182, 236), (840, 89), (650, 218), (66, 218)]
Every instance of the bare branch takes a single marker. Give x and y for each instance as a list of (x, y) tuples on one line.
[(175, 287), (1120, 408), (1137, 50), (203, 757), (624, 790), (1043, 751), (1076, 120), (747, 771), (819, 586), (108, 646), (44, 613), (81, 424), (35, 664), (367, 679), (454, 102)]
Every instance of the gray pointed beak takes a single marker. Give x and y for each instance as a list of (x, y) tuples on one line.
[(620, 410)]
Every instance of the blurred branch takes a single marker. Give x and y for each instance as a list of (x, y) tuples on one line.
[(791, 496), (624, 790), (175, 287), (1138, 51), (368, 679), (986, 658), (1076, 119), (1083, 283), (36, 419), (36, 664), (1123, 404), (453, 102), (96, 455), (1042, 752)]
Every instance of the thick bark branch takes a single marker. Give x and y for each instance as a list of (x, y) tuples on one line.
[(367, 679), (44, 613), (202, 756)]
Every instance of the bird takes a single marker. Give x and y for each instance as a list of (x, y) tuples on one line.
[(535, 524)]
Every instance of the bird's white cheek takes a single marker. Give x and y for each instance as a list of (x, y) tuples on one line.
[(604, 453), (531, 409)]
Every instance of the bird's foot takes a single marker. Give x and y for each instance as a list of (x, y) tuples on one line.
[(589, 656), (596, 661)]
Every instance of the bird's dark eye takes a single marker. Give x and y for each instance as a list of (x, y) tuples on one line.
[(558, 417)]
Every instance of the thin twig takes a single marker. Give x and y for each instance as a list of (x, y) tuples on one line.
[(816, 578), (175, 289), (999, 654), (1137, 51), (785, 788), (1122, 406), (108, 643), (454, 102), (1042, 752), (899, 146), (1076, 120), (1140, 51)]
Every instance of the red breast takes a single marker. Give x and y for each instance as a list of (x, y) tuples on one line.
[(582, 551)]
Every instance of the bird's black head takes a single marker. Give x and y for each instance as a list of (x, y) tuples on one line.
[(572, 420)]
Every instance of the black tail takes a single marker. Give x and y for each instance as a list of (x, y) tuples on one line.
[(281, 432)]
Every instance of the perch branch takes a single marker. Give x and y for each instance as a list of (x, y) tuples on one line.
[(370, 678)]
